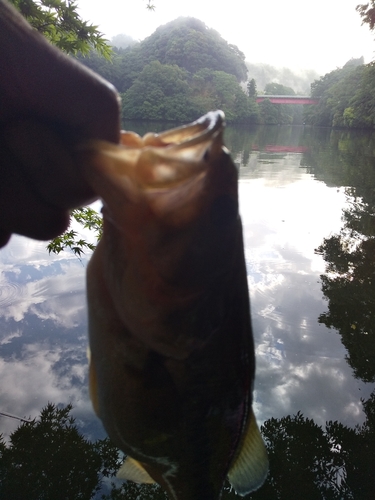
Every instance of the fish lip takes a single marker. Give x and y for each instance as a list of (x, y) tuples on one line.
[(183, 145), (207, 126)]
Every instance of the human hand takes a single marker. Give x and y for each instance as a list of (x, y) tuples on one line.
[(48, 105)]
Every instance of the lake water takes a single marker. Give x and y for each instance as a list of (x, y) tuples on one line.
[(307, 204)]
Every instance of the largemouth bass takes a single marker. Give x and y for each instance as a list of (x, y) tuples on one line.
[(172, 355)]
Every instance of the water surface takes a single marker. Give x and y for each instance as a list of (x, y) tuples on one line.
[(307, 206)]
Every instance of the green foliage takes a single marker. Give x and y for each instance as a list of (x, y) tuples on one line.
[(312, 462), (251, 88), (185, 42), (362, 103), (302, 464), (265, 73), (132, 491), (278, 89), (160, 92), (122, 41), (349, 279), (60, 23), (110, 69), (349, 287), (88, 219), (347, 97), (279, 114), (168, 92), (188, 43), (367, 12), (269, 112), (149, 5), (49, 459)]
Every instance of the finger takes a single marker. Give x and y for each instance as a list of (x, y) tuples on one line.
[(23, 212), (47, 164), (41, 81)]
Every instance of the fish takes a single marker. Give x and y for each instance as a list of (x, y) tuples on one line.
[(172, 361)]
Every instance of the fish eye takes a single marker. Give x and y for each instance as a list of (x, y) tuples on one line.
[(224, 210), (206, 155)]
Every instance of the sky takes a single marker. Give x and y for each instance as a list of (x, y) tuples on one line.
[(320, 35)]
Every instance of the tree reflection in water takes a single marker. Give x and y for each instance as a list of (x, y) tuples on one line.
[(49, 459)]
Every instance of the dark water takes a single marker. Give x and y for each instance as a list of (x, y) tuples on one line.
[(307, 202)]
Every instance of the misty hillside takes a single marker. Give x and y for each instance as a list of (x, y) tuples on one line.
[(191, 45), (122, 41), (185, 42), (264, 74), (185, 69)]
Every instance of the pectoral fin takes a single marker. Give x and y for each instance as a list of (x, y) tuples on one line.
[(133, 471), (250, 468)]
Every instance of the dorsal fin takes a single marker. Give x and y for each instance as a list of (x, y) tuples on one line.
[(249, 470), (132, 470)]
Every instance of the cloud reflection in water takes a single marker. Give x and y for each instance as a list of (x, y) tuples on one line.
[(43, 338), (300, 363)]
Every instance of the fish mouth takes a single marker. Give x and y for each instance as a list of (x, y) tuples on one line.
[(167, 169), (188, 135)]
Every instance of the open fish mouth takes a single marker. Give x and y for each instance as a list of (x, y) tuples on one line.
[(166, 168)]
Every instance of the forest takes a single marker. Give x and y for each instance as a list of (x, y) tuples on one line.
[(48, 457), (185, 69), (347, 97), (178, 73)]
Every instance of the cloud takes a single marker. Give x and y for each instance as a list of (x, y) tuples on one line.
[(50, 289), (28, 384), (300, 363)]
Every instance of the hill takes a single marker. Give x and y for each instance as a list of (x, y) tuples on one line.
[(190, 44), (180, 72)]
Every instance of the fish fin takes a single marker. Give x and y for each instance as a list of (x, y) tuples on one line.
[(132, 470), (249, 470)]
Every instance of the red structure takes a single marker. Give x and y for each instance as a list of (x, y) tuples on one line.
[(287, 99)]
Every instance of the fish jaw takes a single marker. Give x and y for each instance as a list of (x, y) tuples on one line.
[(172, 356)]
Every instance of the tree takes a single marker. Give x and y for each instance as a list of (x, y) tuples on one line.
[(159, 93), (48, 458), (278, 89), (133, 491), (367, 12), (122, 41), (349, 279), (265, 73), (252, 88), (88, 219), (110, 69), (60, 23), (346, 96), (269, 113), (190, 44)]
